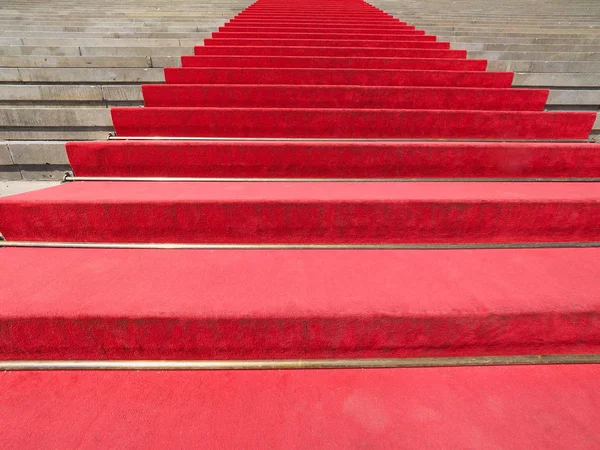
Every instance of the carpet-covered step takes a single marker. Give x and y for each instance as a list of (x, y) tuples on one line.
[(420, 42), (315, 12), (383, 20), (313, 23), (272, 304), (300, 212), (327, 10), (335, 62), (327, 15), (352, 13), (350, 123), (285, 159), (312, 29), (330, 51), (321, 76), (270, 96), (332, 14), (404, 36), (550, 407)]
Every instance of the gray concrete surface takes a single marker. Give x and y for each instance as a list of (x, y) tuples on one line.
[(18, 187)]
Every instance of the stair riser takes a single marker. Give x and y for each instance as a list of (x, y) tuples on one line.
[(335, 63), (159, 338), (356, 77), (344, 123), (314, 29), (183, 304), (297, 220), (322, 160), (257, 96), (405, 36), (406, 43), (330, 51)]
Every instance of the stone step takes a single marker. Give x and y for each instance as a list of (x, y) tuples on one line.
[(74, 61), (25, 35), (82, 75), (545, 66), (557, 80), (54, 123), (68, 94), (498, 40), (116, 28), (525, 47), (24, 50), (535, 56), (13, 186), (33, 160), (88, 61), (521, 33), (102, 42), (108, 95)]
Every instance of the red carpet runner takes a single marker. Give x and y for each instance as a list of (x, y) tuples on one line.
[(325, 123)]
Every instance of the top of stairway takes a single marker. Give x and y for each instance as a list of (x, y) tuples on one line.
[(75, 61)]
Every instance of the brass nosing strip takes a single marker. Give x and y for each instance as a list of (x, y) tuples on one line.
[(71, 178), (292, 246), (112, 137), (291, 364)]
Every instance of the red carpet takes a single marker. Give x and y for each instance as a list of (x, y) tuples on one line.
[(350, 123), (273, 159), (335, 63), (403, 35), (355, 77), (331, 51), (228, 304), (400, 42), (345, 97), (477, 407), (351, 76), (296, 212)]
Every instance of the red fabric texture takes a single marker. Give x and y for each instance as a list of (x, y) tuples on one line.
[(312, 69), (272, 159), (332, 51), (477, 407), (322, 29), (403, 42), (319, 76), (350, 123), (399, 35), (158, 304), (373, 97), (335, 62), (320, 21), (286, 212), (280, 304)]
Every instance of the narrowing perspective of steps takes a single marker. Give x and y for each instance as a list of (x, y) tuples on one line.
[(319, 185)]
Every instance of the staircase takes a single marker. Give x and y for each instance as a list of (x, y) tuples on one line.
[(320, 188), (63, 64)]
